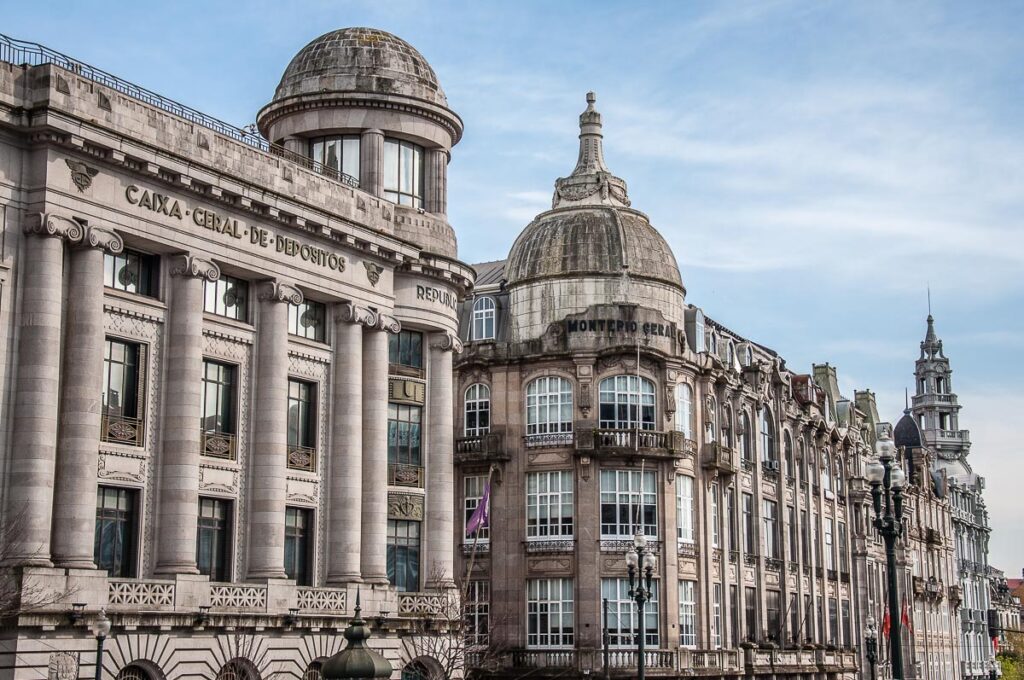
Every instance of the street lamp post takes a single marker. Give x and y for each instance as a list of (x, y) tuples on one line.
[(887, 480), (640, 589), (871, 645), (100, 629)]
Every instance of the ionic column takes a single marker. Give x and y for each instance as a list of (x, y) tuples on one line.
[(346, 473), (436, 181), (179, 456), (371, 162), (373, 552), (74, 507), (269, 448), (34, 440), (440, 527)]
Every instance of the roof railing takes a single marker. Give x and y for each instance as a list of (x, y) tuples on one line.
[(24, 53)]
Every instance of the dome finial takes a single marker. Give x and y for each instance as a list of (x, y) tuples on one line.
[(591, 98), (590, 181)]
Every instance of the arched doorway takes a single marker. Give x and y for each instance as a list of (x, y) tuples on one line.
[(238, 669)]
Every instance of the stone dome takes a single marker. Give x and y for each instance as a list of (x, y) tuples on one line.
[(591, 229), (361, 60), (593, 240)]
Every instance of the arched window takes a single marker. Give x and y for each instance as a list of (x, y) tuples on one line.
[(730, 354), (314, 671), (768, 452), (787, 446), (477, 410), (840, 476), (483, 319), (698, 332), (746, 451), (627, 402), (415, 670), (134, 672), (826, 471), (727, 426), (748, 355), (549, 411), (714, 344), (684, 409), (238, 669), (711, 421)]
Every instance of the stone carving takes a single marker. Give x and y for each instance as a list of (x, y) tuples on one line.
[(238, 597), (120, 474), (348, 312), (189, 265), (278, 291), (49, 224), (62, 86), (102, 239), (447, 342), (81, 174), (405, 506), (63, 666), (136, 595), (373, 271)]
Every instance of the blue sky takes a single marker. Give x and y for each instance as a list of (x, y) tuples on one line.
[(815, 166)]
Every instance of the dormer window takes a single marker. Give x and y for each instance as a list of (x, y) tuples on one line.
[(698, 332), (403, 173), (483, 319), (338, 154)]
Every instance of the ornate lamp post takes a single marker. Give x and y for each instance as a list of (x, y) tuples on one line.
[(887, 481), (640, 589), (100, 629), (871, 645)]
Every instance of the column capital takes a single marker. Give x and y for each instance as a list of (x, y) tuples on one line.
[(186, 265), (349, 312), (446, 342), (278, 291), (103, 239), (55, 226), (378, 321)]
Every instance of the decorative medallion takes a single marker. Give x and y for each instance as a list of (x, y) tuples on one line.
[(405, 506), (63, 666), (81, 174), (373, 271)]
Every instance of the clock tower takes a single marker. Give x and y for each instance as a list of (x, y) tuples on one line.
[(935, 405)]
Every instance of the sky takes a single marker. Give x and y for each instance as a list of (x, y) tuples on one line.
[(816, 167)]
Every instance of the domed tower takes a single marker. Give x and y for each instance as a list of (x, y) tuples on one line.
[(591, 248), (935, 404), (364, 103)]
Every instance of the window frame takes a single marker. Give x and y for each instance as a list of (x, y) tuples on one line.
[(623, 613), (476, 407), (547, 395), (220, 529), (546, 608), (484, 318), (686, 512), (636, 497), (684, 410), (302, 541), (411, 549), (343, 164), (216, 292), (633, 403), (557, 500), (304, 433), (400, 193), (472, 494), (688, 613), (412, 452), (124, 523), (227, 394), (308, 320), (406, 344), (147, 272)]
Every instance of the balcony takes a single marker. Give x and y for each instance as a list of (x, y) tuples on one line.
[(122, 430), (219, 445), (648, 443), (478, 548), (933, 399), (716, 456), (400, 474), (302, 458), (933, 538), (687, 549), (482, 448), (954, 437), (563, 545), (549, 440)]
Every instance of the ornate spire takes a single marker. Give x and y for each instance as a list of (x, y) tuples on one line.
[(591, 183), (931, 346)]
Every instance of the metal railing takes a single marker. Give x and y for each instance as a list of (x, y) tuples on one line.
[(632, 439), (24, 53), (548, 440), (400, 474), (302, 458), (219, 445), (122, 430)]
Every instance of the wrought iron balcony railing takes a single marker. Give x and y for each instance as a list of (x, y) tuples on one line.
[(302, 458), (400, 474), (219, 445), (122, 430)]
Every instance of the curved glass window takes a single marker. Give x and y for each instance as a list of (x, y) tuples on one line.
[(627, 402), (746, 451), (768, 452), (403, 173), (477, 410), (684, 409), (339, 153), (483, 319), (548, 411)]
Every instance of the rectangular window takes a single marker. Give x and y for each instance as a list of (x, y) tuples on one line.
[(830, 556), (833, 620), (749, 537), (116, 527), (336, 154), (750, 612), (773, 611), (404, 554), (131, 272), (123, 367), (688, 613), (629, 503), (794, 618), (549, 505), (301, 425), (821, 619), (405, 353), (734, 615), (403, 173), (298, 545), (716, 615), (771, 529), (684, 508), (808, 626), (624, 620), (478, 613), (308, 320), (473, 488), (815, 557), (404, 440), (227, 296), (715, 518), (549, 612), (847, 631), (794, 541), (213, 539), (218, 405), (805, 533), (730, 519), (844, 564)]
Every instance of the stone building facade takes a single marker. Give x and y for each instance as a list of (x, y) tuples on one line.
[(226, 365), (596, 403)]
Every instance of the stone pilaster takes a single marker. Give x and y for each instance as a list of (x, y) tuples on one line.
[(371, 162), (373, 542), (436, 181), (74, 507), (346, 467), (179, 455), (34, 441), (440, 529), (269, 448)]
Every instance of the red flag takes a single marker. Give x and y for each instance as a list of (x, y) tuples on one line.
[(886, 623), (995, 644), (905, 617)]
